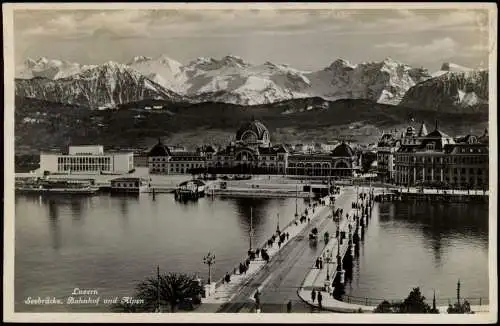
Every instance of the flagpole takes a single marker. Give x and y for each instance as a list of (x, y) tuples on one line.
[(158, 287)]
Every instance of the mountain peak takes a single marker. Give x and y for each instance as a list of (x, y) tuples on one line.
[(29, 63), (139, 58), (390, 60), (112, 64), (233, 59), (449, 66), (341, 63), (42, 60)]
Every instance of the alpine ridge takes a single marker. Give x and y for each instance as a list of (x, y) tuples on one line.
[(233, 80), (106, 85), (453, 91)]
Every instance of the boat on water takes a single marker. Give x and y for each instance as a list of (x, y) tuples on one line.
[(190, 190), (48, 186), (129, 185)]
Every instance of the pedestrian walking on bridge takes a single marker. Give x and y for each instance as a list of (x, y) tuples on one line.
[(313, 295), (320, 299), (289, 306), (257, 299)]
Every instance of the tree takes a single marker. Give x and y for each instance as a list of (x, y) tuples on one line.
[(174, 289), (414, 303), (459, 308), (384, 307)]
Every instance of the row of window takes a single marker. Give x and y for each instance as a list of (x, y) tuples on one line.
[(462, 171), (317, 165), (172, 170), (472, 150), (261, 158), (445, 160), (83, 160), (451, 180), (83, 167), (126, 184), (177, 165), (177, 159)]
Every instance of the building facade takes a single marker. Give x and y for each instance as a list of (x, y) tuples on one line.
[(341, 162), (253, 153), (162, 160), (388, 145), (438, 159), (87, 160)]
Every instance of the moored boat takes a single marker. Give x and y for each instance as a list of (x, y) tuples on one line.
[(130, 185), (47, 186)]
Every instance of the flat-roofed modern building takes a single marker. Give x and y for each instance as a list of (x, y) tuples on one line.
[(90, 159)]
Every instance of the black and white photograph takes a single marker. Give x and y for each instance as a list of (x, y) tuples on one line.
[(250, 162)]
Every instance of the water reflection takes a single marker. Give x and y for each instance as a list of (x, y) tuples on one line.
[(54, 227), (76, 208), (254, 208), (445, 219), (424, 244)]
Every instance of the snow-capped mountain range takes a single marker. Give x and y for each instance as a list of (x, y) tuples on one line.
[(230, 80), (105, 85)]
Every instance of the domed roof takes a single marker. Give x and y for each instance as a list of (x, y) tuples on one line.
[(343, 150), (254, 127), (159, 150)]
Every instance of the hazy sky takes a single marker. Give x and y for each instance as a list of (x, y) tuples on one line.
[(305, 39)]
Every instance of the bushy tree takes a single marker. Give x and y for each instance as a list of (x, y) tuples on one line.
[(413, 304), (460, 308), (173, 290), (385, 307)]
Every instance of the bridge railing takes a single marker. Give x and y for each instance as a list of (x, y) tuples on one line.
[(366, 301), (221, 281)]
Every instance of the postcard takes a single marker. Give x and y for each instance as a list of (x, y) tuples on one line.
[(250, 162)]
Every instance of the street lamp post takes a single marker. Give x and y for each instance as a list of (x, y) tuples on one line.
[(158, 308), (278, 225), (328, 259), (209, 260), (296, 195), (250, 231)]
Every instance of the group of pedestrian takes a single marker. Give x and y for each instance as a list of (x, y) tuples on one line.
[(319, 262), (264, 255), (227, 278), (283, 237), (313, 297), (244, 266)]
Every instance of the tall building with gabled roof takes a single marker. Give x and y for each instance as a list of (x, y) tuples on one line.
[(438, 159)]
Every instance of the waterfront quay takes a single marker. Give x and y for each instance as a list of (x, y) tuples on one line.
[(236, 296), (330, 279), (279, 280), (433, 195), (292, 273)]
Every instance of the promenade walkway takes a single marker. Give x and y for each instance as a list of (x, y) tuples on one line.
[(225, 292)]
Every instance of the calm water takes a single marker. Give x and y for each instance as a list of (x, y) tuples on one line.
[(110, 243), (427, 245)]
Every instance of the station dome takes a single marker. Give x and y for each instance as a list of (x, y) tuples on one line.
[(253, 133), (343, 150)]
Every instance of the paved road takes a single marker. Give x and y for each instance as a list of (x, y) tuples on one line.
[(281, 278)]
